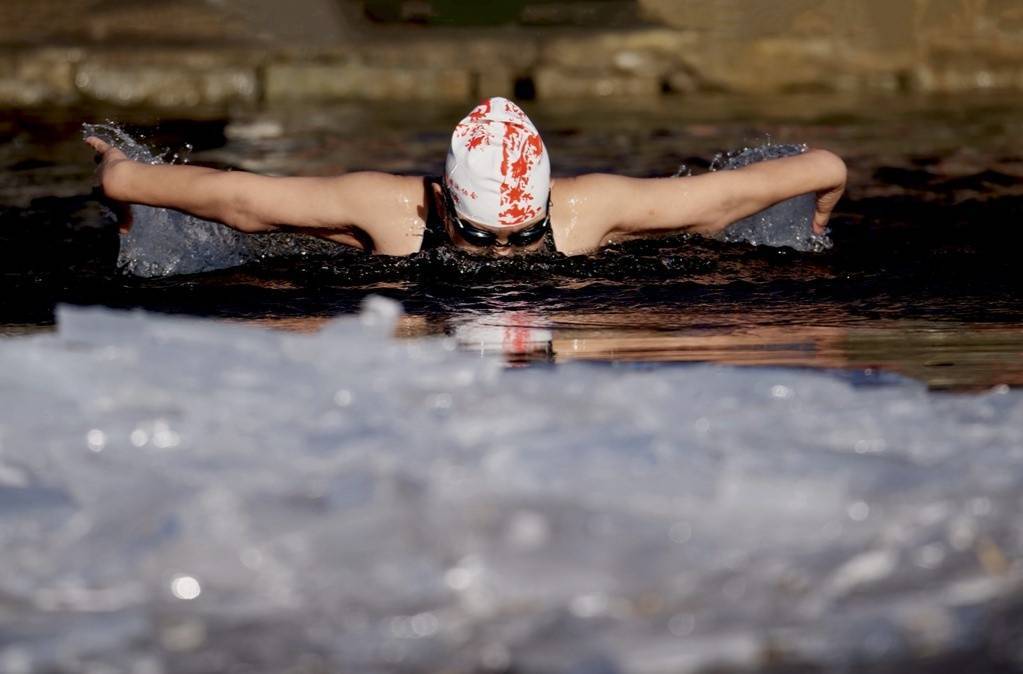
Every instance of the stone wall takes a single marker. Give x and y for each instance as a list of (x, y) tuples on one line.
[(926, 45), (249, 52)]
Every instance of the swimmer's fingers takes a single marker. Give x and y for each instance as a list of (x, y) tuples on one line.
[(111, 163), (124, 219), (105, 151), (821, 217), (826, 202), (100, 146), (120, 211)]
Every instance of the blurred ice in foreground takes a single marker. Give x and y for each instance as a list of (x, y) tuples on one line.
[(183, 496)]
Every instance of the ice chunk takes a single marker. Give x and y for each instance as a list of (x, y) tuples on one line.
[(180, 492)]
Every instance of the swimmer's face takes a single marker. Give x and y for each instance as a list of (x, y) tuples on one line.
[(503, 241), (505, 236)]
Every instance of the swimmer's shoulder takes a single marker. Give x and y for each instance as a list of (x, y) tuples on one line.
[(584, 209), (390, 209)]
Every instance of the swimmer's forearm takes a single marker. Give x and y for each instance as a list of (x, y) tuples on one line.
[(816, 172), (331, 207), (719, 199), (204, 192), (709, 202), (365, 209)]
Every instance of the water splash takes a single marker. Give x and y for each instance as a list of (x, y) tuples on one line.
[(164, 242), (786, 224), (115, 135)]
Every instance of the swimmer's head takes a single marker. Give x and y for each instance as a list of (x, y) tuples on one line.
[(498, 173)]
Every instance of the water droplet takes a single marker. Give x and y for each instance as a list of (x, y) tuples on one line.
[(588, 605), (858, 511), (139, 437), (781, 392), (163, 436), (96, 440), (185, 587), (528, 530), (424, 624), (459, 578)]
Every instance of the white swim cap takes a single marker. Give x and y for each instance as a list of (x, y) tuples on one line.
[(498, 171)]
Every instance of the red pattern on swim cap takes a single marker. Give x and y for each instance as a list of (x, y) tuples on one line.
[(497, 151), (521, 150), (470, 128)]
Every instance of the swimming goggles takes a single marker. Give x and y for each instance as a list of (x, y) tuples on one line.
[(485, 238)]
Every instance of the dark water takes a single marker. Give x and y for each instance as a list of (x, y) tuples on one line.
[(923, 278)]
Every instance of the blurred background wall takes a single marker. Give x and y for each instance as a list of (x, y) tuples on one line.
[(250, 52)]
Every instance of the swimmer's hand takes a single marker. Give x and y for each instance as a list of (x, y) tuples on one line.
[(829, 197), (110, 167), (109, 158)]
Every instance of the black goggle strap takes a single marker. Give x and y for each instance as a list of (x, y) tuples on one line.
[(469, 232), (484, 238), (534, 233)]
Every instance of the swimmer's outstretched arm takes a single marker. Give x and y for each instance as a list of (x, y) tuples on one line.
[(710, 202), (346, 209)]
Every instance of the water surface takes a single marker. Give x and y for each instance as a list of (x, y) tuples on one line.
[(922, 280)]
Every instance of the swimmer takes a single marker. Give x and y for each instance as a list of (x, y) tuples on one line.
[(496, 196)]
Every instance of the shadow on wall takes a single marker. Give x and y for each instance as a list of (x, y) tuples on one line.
[(602, 13)]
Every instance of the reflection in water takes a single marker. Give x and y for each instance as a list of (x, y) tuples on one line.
[(520, 337), (923, 279), (943, 355)]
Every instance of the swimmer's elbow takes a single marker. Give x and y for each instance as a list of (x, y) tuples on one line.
[(728, 205), (826, 156), (240, 209), (829, 168), (245, 224), (243, 220), (841, 172)]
